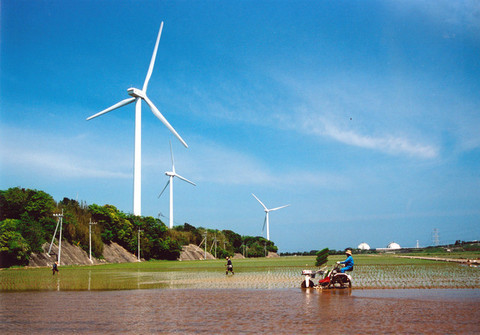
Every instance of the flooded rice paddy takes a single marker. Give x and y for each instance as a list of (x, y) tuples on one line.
[(242, 311), (401, 298), (436, 275)]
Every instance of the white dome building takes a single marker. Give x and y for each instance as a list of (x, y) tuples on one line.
[(394, 245), (363, 246)]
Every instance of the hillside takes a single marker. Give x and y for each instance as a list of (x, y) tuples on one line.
[(112, 253), (74, 255)]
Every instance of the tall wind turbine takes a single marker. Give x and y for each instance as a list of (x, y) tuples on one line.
[(171, 175), (266, 215), (138, 95)]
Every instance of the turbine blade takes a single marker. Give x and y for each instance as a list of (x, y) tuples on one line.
[(152, 61), (109, 109), (261, 203), (168, 182), (159, 115), (274, 209), (264, 222), (185, 179)]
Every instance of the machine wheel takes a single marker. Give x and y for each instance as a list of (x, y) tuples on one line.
[(304, 284), (341, 282)]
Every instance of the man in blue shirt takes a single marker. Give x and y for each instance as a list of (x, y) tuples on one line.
[(348, 262)]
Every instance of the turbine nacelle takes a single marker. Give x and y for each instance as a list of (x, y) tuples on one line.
[(136, 93)]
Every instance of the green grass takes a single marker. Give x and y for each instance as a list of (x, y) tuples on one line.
[(371, 271), (454, 254)]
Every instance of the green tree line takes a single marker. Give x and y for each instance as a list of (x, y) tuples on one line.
[(27, 222)]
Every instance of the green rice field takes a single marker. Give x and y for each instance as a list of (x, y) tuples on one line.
[(371, 272)]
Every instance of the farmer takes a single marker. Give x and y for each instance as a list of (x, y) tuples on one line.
[(54, 268), (229, 266), (348, 262)]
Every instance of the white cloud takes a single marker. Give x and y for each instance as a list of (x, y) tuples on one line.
[(57, 156), (466, 12), (393, 127), (211, 162), (58, 165), (388, 144)]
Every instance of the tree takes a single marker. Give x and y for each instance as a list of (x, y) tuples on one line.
[(14, 250), (234, 239), (32, 232), (27, 223), (16, 201), (114, 225)]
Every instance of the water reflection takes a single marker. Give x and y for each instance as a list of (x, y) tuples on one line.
[(218, 311), (89, 278)]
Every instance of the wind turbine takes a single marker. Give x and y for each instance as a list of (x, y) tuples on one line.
[(266, 215), (171, 175), (138, 95)]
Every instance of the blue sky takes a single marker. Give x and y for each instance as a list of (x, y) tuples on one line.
[(363, 115)]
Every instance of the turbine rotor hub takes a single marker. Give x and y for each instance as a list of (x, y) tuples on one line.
[(136, 93)]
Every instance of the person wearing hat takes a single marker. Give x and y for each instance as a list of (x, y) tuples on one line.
[(229, 266), (55, 268), (348, 262)]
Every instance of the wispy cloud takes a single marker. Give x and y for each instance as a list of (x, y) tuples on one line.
[(56, 156), (210, 162), (58, 165), (322, 110), (388, 144), (456, 13)]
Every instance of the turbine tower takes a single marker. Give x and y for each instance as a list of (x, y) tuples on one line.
[(171, 175), (137, 95), (266, 215)]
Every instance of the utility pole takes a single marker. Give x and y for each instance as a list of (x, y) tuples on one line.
[(59, 223), (214, 244), (90, 238), (436, 241), (205, 244), (139, 244)]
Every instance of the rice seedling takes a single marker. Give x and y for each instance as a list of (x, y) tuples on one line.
[(370, 272)]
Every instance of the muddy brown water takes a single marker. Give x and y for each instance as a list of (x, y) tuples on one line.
[(242, 311)]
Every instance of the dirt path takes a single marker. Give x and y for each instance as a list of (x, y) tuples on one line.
[(440, 259)]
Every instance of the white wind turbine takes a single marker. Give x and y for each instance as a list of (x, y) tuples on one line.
[(171, 175), (266, 215), (138, 95)]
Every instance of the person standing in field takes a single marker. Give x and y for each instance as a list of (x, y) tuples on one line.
[(55, 268), (229, 266)]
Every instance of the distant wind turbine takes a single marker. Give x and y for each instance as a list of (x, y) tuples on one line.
[(138, 95), (266, 215), (171, 175)]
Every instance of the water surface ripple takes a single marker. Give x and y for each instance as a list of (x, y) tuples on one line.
[(241, 311)]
